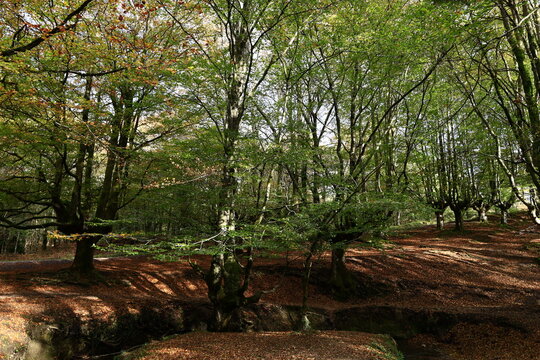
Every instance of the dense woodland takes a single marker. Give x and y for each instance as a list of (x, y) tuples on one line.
[(243, 128)]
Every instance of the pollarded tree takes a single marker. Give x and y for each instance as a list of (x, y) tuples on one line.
[(504, 47), (234, 62), (503, 195), (446, 154), (430, 178), (500, 154), (354, 113), (91, 100)]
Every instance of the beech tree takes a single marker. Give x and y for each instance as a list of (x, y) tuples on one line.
[(230, 127), (107, 106), (238, 61), (503, 52)]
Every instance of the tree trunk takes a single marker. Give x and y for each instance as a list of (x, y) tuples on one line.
[(343, 284), (16, 248), (83, 263), (227, 283), (533, 213), (458, 214), (304, 324), (44, 241), (482, 215), (504, 216), (440, 219), (223, 302)]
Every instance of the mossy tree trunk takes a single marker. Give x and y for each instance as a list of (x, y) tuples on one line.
[(83, 263), (343, 282), (227, 282)]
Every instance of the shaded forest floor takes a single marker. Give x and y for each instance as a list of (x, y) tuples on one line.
[(487, 272)]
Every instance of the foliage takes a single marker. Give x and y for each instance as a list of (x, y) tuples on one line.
[(238, 127)]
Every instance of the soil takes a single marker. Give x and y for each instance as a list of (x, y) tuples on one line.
[(486, 272), (327, 345)]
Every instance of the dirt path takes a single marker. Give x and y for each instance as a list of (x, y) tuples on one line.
[(31, 265), (39, 266)]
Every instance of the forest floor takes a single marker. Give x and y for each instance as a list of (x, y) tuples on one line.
[(488, 271)]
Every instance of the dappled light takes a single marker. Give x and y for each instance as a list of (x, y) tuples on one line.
[(270, 179), (481, 274), (279, 346)]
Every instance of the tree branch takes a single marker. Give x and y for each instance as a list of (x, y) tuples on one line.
[(57, 29)]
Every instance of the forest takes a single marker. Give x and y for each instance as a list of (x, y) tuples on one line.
[(270, 179)]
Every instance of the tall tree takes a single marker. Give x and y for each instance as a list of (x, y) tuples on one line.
[(88, 97), (236, 62)]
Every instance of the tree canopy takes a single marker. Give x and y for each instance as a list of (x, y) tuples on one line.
[(236, 127)]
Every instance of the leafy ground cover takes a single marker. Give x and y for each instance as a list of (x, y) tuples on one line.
[(487, 272), (325, 345)]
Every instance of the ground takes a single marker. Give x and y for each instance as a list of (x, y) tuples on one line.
[(489, 272), (327, 345)]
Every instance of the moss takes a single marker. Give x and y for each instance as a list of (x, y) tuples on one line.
[(532, 246), (387, 348), (133, 354)]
